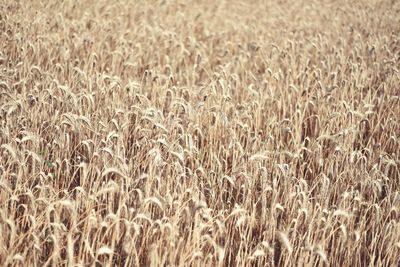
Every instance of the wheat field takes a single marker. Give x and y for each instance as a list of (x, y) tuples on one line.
[(199, 133)]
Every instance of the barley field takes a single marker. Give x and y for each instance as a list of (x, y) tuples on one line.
[(200, 133)]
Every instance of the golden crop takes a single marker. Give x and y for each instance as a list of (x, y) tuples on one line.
[(200, 133)]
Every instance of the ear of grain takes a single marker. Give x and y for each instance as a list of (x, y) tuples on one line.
[(283, 238)]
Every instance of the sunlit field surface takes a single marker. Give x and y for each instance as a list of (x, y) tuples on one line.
[(199, 133)]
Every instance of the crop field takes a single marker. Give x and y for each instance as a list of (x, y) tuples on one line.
[(200, 133)]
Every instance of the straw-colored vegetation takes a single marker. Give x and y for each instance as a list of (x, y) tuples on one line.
[(200, 133)]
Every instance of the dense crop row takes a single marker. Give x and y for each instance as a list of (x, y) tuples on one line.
[(200, 133)]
